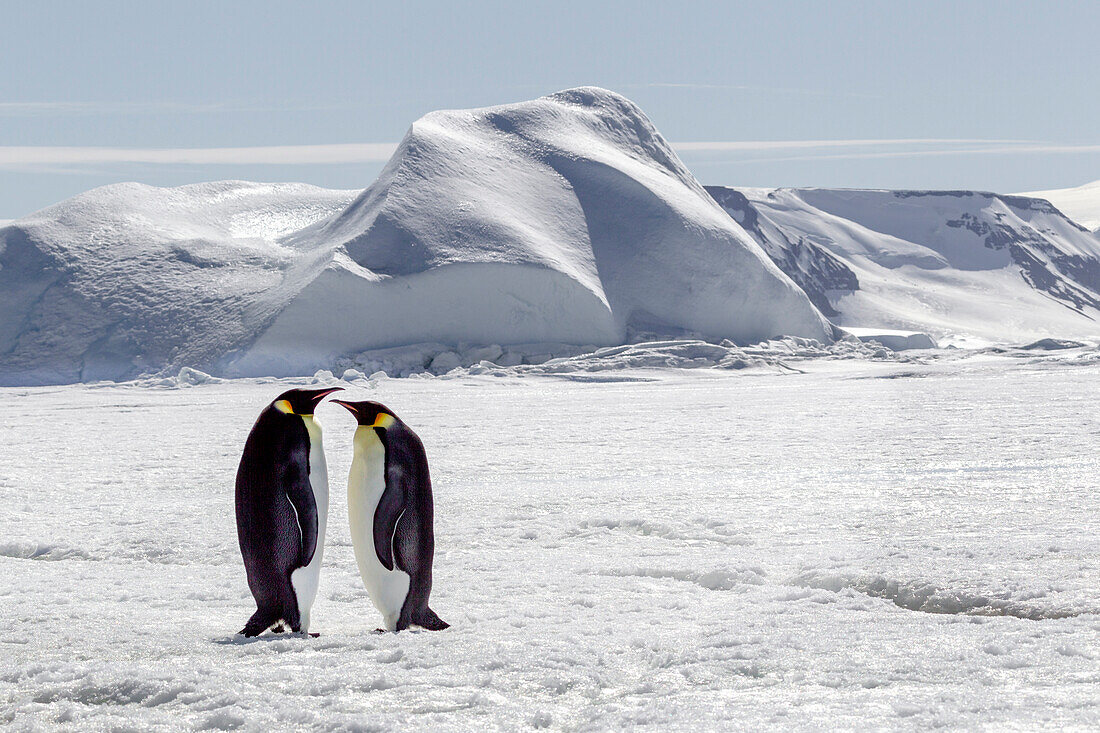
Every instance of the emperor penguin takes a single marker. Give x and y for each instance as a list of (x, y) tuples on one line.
[(391, 515), (282, 510)]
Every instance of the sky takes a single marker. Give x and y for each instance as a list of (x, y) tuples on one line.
[(1001, 96)]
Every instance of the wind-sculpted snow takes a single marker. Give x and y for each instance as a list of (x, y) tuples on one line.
[(567, 219), (964, 266), (130, 278)]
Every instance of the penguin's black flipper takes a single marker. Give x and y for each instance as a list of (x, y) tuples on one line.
[(300, 493), (389, 510)]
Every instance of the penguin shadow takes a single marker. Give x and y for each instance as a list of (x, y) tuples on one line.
[(267, 638), (242, 640)]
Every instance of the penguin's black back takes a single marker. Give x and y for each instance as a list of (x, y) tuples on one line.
[(406, 513), (276, 513)]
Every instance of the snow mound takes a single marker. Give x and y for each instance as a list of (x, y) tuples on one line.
[(893, 339), (1082, 204), (1053, 345), (592, 364), (687, 354), (957, 265), (187, 377), (25, 550), (564, 219), (129, 278)]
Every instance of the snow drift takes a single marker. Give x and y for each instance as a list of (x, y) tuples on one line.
[(958, 265), (130, 278), (566, 219)]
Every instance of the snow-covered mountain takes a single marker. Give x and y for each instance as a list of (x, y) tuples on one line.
[(565, 219), (957, 264), (1082, 204)]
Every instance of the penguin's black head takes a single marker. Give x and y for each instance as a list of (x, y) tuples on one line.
[(302, 401), (370, 414)]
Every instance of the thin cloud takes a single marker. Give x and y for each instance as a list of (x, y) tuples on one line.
[(754, 145), (58, 109), (24, 157), (74, 159), (789, 91), (689, 85), (1026, 149)]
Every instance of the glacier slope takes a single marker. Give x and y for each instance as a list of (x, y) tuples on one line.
[(1082, 204), (966, 267)]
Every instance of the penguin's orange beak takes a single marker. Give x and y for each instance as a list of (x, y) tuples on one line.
[(321, 394), (350, 406)]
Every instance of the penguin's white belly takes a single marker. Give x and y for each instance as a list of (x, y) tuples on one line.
[(387, 588), (305, 580)]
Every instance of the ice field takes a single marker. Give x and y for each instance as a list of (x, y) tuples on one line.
[(884, 544)]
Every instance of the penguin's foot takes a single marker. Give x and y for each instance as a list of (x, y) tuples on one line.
[(427, 619), (260, 622), (313, 634)]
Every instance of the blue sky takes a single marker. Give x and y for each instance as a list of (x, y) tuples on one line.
[(1000, 95)]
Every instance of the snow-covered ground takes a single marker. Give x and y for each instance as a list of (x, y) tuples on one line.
[(904, 542), (1082, 204)]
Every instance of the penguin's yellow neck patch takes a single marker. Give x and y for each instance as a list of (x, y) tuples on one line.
[(284, 407), (382, 420)]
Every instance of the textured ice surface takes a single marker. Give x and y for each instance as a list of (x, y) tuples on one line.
[(863, 545)]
